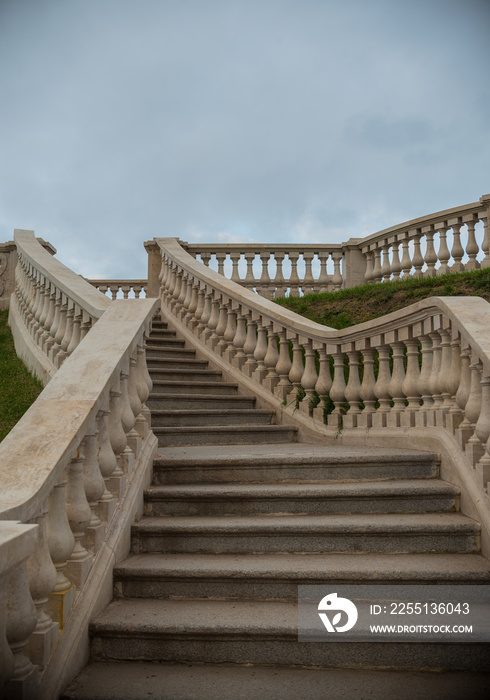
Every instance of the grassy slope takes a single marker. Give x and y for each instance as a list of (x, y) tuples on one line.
[(18, 388), (351, 306)]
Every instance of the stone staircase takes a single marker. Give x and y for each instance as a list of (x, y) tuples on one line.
[(239, 514)]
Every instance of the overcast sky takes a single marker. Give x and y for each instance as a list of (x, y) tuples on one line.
[(236, 120)]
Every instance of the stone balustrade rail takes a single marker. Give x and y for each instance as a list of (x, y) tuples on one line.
[(121, 289), (453, 240), (72, 471), (421, 368)]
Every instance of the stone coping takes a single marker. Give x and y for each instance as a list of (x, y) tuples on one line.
[(41, 444), (71, 284)]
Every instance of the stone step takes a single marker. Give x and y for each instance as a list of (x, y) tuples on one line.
[(141, 681), (181, 401), (158, 333), (409, 496), (207, 416), (233, 434), (186, 374), (277, 576), (169, 351), (169, 386), (251, 632), (293, 462), (155, 342), (401, 532), (169, 364)]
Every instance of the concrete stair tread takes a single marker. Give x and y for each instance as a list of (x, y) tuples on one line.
[(303, 489), (295, 453), (352, 523), (355, 567), (202, 397), (148, 616), (211, 412), (140, 681), (189, 371), (238, 427), (180, 384)]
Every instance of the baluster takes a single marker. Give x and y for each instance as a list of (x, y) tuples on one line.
[(410, 384), (45, 291), (68, 328), (41, 574), (107, 465), (249, 280), (176, 292), (47, 340), (283, 366), (202, 326), (369, 274), (462, 394), (117, 438), (199, 310), (385, 266), (443, 254), (337, 391), (296, 371), (249, 346), (396, 266), (457, 250), (293, 278), (308, 379), (264, 283), (473, 448), (94, 485), (395, 386), (280, 285), (127, 421), (220, 257), (56, 349), (472, 248), (235, 257), (423, 382), (377, 270), (366, 393), (430, 253), (61, 543), (417, 260), (21, 622), (337, 275), (322, 280), (444, 376), (381, 388), (324, 383), (271, 380), (229, 350), (433, 383), (406, 263), (259, 353), (210, 335), (79, 516), (86, 325), (184, 299), (353, 389), (239, 356), (75, 336), (225, 312), (308, 281), (190, 304)]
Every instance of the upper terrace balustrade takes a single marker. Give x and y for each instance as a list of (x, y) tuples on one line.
[(453, 240)]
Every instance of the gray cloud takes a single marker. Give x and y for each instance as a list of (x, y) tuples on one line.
[(276, 120)]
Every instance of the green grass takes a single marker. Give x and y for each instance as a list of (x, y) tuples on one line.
[(18, 388), (368, 301)]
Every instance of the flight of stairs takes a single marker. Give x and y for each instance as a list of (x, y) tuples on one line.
[(239, 514)]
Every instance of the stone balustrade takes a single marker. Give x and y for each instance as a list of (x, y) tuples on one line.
[(53, 307), (72, 471), (121, 289), (274, 270), (432, 245), (423, 247), (425, 367)]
